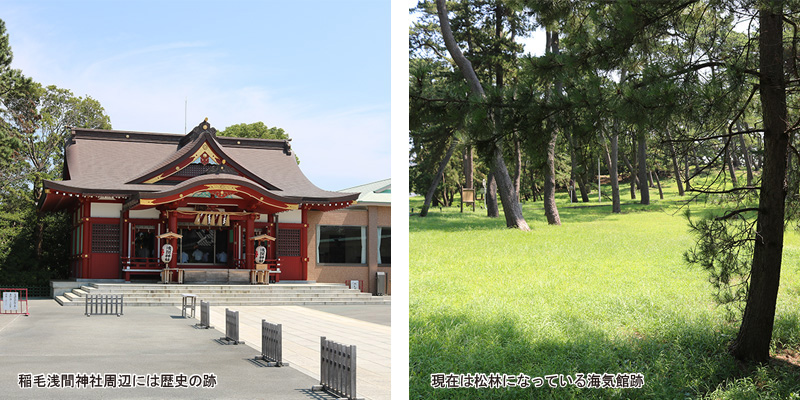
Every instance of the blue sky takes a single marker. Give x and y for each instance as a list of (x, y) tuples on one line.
[(318, 69)]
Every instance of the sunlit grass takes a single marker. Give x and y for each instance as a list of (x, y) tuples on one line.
[(600, 293)]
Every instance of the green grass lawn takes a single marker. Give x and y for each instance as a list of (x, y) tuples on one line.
[(602, 293)]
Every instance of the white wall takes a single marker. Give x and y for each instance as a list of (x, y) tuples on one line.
[(290, 217), (150, 213), (105, 210)]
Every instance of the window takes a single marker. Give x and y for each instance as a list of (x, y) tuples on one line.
[(385, 245), (105, 238), (341, 244), (289, 242)]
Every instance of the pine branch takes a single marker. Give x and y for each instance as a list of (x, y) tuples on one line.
[(735, 213), (734, 190)]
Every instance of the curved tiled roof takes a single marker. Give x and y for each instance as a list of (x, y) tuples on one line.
[(166, 165), (110, 162)]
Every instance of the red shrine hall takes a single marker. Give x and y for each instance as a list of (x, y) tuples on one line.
[(214, 200)]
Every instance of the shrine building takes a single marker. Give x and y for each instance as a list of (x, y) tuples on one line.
[(215, 200)]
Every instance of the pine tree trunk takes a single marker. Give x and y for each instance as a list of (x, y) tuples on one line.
[(675, 166), (616, 206), (573, 196), (445, 197), (509, 198), (512, 210), (492, 210), (658, 182), (729, 163), (611, 161), (518, 165), (634, 177), (582, 187), (755, 332), (737, 163), (437, 177), (642, 153), (468, 163), (549, 196), (686, 170), (748, 163)]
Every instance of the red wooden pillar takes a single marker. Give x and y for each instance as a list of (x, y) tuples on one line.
[(272, 248), (173, 227), (124, 240), (304, 245), (86, 259), (250, 227), (236, 254)]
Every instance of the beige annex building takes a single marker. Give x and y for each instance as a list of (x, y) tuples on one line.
[(353, 243)]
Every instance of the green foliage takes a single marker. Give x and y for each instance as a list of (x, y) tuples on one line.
[(256, 130), (59, 110), (17, 104), (34, 123), (724, 248), (19, 264), (434, 124)]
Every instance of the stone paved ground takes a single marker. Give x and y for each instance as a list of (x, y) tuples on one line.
[(145, 340), (366, 327)]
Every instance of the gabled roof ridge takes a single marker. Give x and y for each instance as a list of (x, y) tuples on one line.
[(165, 137), (118, 131), (193, 146), (177, 155)]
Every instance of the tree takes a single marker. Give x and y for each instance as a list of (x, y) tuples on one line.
[(436, 127), (716, 78), (755, 333), (550, 209), (17, 103), (43, 147), (34, 123), (509, 198), (256, 130), (642, 164)]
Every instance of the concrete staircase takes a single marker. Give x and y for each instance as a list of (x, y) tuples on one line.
[(281, 294)]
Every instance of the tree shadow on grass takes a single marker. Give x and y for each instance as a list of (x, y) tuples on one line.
[(684, 360), (579, 212), (451, 220)]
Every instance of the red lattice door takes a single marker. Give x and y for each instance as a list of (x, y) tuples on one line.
[(104, 256), (290, 246)]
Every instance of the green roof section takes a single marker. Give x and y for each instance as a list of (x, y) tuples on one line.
[(376, 193)]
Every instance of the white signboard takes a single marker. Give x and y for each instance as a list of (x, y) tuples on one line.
[(354, 285), (10, 301)]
